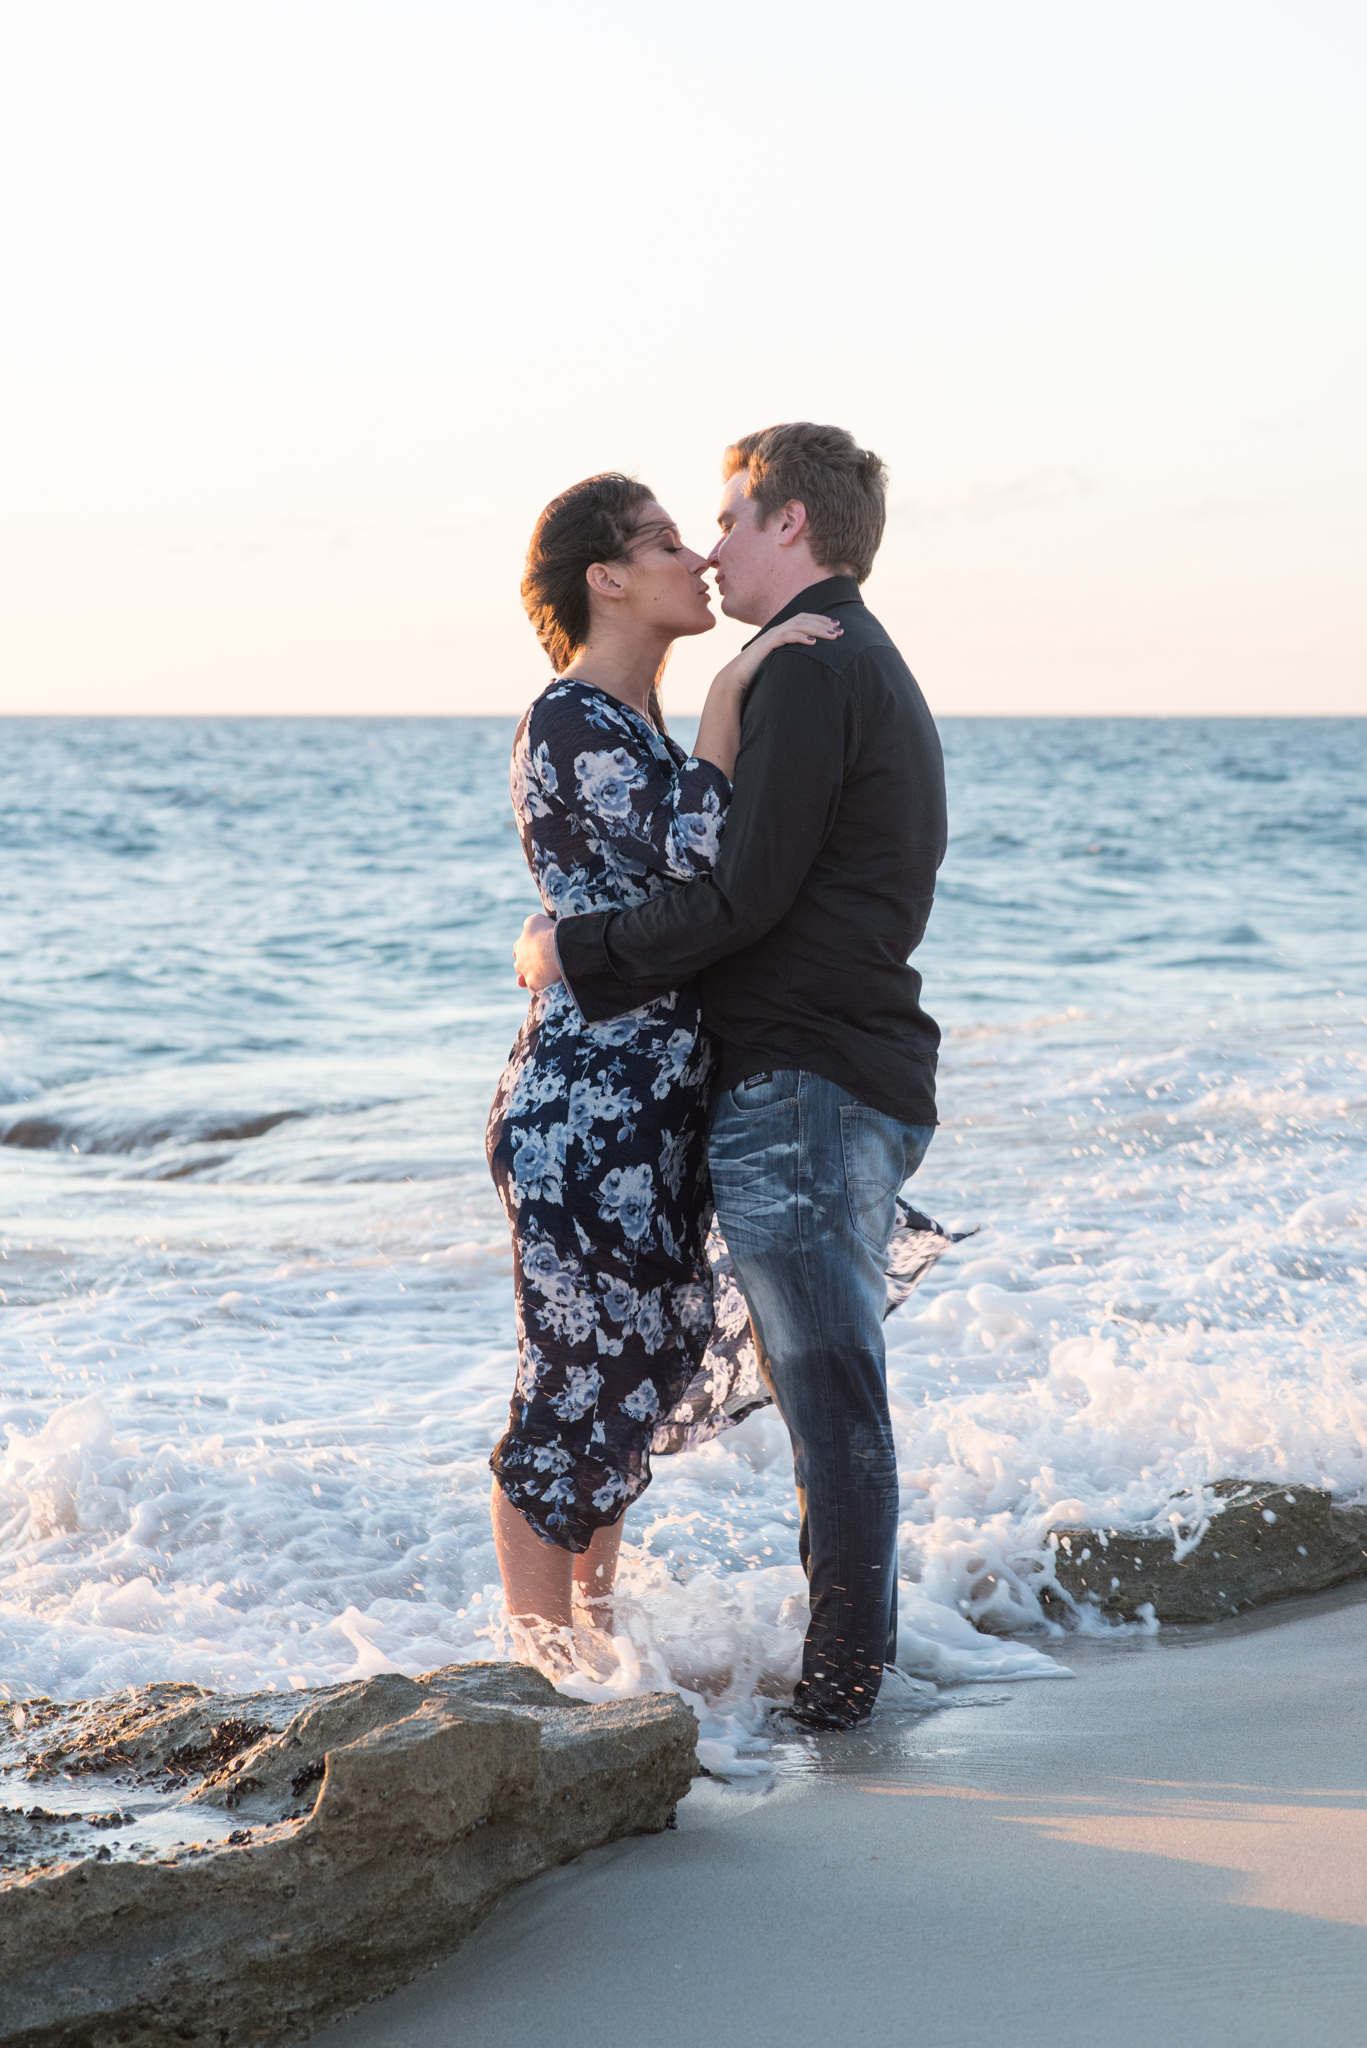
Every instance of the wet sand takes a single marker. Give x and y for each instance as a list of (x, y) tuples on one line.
[(1172, 1846)]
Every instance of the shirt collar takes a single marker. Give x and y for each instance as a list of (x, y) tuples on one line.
[(817, 597)]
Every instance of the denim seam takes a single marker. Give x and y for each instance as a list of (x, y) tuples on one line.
[(803, 1156)]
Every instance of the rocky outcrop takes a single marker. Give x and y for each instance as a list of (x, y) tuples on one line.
[(1251, 1544), (191, 1867)]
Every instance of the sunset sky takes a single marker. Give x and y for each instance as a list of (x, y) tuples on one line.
[(311, 305)]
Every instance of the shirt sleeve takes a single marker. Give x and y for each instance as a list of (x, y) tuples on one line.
[(794, 742)]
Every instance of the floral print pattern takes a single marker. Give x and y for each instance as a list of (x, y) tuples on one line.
[(597, 1143)]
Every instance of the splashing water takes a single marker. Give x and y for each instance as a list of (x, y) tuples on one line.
[(256, 1319)]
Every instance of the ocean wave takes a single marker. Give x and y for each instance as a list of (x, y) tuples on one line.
[(258, 1334), (31, 1131)]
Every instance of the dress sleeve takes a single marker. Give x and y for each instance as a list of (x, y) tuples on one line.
[(635, 806), (696, 810)]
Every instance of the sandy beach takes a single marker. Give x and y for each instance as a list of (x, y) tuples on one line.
[(1175, 1843)]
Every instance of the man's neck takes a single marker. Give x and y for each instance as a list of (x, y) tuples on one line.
[(781, 592), (803, 578)]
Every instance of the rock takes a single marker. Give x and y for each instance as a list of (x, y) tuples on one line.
[(1262, 1543), (413, 1806), (270, 1775), (172, 1726)]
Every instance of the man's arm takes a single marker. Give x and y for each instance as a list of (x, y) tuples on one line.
[(789, 773)]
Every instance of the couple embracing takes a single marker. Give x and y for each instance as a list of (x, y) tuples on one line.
[(723, 1019)]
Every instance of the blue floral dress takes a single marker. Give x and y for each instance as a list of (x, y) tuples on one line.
[(596, 1139), (632, 1332)]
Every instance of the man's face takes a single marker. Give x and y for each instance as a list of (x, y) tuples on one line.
[(746, 556)]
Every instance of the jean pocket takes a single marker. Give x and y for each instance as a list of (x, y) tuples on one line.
[(764, 1091), (873, 1148)]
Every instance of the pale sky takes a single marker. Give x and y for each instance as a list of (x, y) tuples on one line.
[(310, 305)]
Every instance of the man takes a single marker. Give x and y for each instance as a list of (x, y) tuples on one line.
[(800, 937)]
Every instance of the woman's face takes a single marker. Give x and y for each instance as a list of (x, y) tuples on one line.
[(662, 580)]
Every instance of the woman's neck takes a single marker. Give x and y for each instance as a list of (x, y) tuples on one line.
[(625, 666)]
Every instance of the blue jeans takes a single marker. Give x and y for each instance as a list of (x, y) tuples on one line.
[(805, 1179)]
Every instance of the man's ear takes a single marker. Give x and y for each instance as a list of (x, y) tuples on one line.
[(604, 580), (792, 523)]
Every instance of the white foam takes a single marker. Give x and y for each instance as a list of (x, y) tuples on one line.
[(253, 1450)]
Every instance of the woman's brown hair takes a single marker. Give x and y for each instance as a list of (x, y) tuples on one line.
[(593, 521)]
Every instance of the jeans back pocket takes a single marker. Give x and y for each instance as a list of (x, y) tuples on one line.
[(874, 1151)]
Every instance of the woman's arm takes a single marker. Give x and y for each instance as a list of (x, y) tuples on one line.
[(718, 738), (534, 956)]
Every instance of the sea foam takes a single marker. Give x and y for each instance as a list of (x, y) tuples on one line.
[(256, 1336)]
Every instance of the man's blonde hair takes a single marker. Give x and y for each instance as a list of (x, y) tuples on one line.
[(844, 488)]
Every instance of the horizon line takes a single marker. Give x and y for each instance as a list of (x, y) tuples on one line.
[(397, 717)]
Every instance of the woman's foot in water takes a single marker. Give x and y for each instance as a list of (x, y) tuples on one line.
[(583, 1652), (593, 1634), (549, 1647)]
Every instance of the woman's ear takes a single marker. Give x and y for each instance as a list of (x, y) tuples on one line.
[(605, 580)]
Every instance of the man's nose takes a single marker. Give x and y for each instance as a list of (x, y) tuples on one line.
[(711, 561)]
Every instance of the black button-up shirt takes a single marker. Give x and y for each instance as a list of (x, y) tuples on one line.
[(800, 935)]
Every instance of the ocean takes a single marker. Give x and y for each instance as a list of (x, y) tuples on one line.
[(256, 1334)]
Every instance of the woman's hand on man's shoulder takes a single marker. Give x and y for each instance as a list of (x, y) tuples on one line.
[(803, 631)]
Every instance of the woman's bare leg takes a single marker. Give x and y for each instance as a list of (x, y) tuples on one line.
[(541, 1581), (595, 1573), (536, 1574)]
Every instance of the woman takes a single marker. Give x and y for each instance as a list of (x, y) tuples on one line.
[(596, 1137)]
